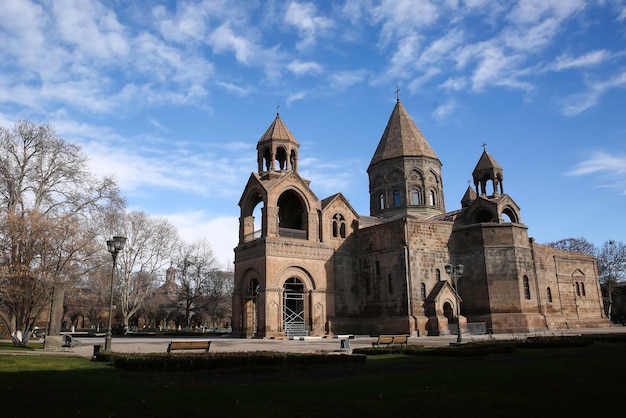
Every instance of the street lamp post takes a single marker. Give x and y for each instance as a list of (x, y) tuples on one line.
[(456, 272), (114, 246)]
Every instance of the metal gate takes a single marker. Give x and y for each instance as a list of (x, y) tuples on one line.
[(293, 308)]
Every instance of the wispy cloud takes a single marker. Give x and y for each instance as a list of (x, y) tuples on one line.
[(565, 62), (304, 17), (299, 67), (577, 103), (610, 168)]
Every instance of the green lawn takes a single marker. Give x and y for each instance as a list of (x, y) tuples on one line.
[(557, 382)]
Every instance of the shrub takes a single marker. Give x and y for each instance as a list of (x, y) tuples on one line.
[(202, 361)]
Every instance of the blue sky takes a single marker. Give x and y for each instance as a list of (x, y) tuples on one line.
[(172, 97)]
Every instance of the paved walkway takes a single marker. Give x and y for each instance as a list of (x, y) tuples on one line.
[(85, 347)]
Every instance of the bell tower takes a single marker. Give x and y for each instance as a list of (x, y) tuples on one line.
[(405, 173), (277, 150)]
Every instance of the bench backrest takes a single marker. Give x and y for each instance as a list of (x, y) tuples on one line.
[(189, 345), (400, 339), (385, 339)]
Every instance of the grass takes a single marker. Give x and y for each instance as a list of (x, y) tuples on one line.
[(574, 381)]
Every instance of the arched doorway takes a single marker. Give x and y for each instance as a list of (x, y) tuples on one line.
[(251, 321), (448, 312), (293, 307)]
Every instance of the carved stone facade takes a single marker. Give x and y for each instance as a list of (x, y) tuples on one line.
[(316, 267)]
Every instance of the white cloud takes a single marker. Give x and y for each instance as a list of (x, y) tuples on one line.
[(238, 90), (600, 162), (295, 97), (444, 110), (565, 62), (611, 168), (225, 39), (577, 103), (402, 18), (304, 17), (344, 79), (299, 67), (454, 84), (94, 30), (222, 232)]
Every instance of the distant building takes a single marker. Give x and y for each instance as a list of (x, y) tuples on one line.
[(317, 267)]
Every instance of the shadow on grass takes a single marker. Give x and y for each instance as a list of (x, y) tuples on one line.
[(573, 381)]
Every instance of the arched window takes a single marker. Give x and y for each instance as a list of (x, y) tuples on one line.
[(390, 282), (381, 201), (438, 274), (339, 226), (415, 197), (526, 288), (577, 289), (396, 199), (423, 291), (253, 288), (549, 295), (582, 289), (431, 198)]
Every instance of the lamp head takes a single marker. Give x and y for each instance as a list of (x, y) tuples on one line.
[(448, 268), (460, 269), (116, 244)]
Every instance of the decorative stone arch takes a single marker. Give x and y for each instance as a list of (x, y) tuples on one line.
[(265, 159), (298, 316), (281, 158), (578, 283), (293, 214), (252, 292), (483, 215), (433, 197), (378, 182), (396, 176), (251, 228), (339, 225), (415, 193), (511, 214)]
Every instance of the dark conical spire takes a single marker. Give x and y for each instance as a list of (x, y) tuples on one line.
[(402, 138)]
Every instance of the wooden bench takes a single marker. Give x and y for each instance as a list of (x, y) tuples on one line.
[(400, 340), (388, 340), (189, 345), (385, 340)]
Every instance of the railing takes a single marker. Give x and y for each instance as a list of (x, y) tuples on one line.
[(473, 328), (292, 233)]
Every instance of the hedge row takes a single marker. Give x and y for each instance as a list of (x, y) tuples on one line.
[(202, 361), (485, 348)]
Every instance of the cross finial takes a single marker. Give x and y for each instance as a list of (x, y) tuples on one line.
[(484, 145), (277, 107), (397, 93)]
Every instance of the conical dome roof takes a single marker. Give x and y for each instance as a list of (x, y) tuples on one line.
[(486, 163), (402, 138), (278, 131)]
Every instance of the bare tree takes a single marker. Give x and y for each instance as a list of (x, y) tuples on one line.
[(196, 266), (576, 245), (219, 297), (149, 246), (612, 269), (47, 198)]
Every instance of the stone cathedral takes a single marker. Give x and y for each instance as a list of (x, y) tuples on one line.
[(317, 267)]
